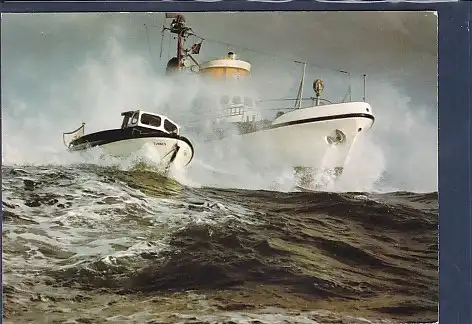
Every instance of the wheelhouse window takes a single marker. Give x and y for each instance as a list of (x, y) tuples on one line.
[(154, 121), (170, 127), (134, 119), (224, 100), (125, 121), (235, 111), (248, 102), (237, 100)]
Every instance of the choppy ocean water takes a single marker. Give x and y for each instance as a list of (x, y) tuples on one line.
[(90, 244)]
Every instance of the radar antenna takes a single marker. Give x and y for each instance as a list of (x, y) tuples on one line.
[(318, 87)]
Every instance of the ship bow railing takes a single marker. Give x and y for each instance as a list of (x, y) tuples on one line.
[(292, 104), (68, 137)]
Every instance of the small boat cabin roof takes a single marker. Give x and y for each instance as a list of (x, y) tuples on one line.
[(149, 120)]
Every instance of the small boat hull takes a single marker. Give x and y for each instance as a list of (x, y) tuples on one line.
[(163, 149)]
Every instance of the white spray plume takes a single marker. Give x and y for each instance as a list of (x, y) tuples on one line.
[(399, 153)]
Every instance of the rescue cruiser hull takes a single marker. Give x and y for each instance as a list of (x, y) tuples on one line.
[(306, 137)]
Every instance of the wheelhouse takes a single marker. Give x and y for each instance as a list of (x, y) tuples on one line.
[(149, 120), (238, 108)]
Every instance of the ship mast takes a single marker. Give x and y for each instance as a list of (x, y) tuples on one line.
[(178, 26), (298, 103)]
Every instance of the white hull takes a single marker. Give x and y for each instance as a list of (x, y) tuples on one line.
[(299, 138), (158, 149)]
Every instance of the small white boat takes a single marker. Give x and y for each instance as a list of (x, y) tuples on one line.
[(312, 133), (139, 129)]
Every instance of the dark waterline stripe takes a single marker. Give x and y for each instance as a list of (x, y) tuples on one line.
[(323, 118)]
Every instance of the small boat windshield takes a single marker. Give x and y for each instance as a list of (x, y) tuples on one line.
[(170, 127), (154, 121)]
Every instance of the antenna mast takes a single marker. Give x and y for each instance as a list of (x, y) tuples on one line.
[(298, 103), (178, 26)]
